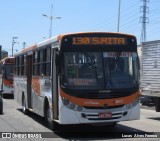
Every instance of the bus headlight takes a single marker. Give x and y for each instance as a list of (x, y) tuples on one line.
[(71, 105), (65, 101), (132, 104), (79, 108)]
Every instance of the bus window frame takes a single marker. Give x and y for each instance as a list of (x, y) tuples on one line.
[(41, 62)]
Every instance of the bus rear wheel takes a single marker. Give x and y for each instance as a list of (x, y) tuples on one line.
[(1, 111)]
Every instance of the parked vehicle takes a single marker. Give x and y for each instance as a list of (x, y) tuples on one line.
[(150, 83), (147, 100), (1, 102), (6, 75)]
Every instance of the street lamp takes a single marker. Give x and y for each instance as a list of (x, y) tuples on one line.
[(13, 42), (51, 18), (119, 10)]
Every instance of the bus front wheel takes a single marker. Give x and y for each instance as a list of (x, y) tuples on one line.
[(52, 125), (24, 106)]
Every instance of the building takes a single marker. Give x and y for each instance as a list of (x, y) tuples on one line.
[(4, 54)]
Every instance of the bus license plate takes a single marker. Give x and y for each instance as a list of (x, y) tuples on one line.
[(105, 115)]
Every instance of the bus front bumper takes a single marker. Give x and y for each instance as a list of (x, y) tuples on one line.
[(68, 116)]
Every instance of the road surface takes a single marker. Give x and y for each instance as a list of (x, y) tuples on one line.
[(13, 121)]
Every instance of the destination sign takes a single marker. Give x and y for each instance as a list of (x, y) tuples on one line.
[(9, 60), (98, 41)]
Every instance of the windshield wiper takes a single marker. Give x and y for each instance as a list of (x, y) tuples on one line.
[(113, 63), (92, 63)]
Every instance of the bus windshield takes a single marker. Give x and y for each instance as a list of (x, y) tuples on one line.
[(100, 70), (8, 72)]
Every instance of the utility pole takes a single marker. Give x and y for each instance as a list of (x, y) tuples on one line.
[(145, 10), (13, 42), (24, 45), (119, 11)]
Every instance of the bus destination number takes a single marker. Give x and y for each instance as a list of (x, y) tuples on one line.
[(98, 41)]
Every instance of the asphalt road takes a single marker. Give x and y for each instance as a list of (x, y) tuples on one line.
[(14, 121)]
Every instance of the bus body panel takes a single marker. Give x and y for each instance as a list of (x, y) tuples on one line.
[(20, 89), (37, 100), (135, 112), (38, 104), (40, 95)]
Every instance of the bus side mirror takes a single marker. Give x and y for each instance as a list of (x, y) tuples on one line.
[(58, 59)]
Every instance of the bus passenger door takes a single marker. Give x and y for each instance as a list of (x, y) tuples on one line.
[(54, 86), (29, 80)]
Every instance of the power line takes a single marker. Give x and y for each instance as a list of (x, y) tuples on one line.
[(125, 12)]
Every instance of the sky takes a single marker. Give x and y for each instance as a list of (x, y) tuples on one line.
[(23, 19)]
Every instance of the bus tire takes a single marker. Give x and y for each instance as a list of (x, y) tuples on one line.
[(25, 111), (48, 116), (113, 125), (157, 104), (50, 123), (1, 112)]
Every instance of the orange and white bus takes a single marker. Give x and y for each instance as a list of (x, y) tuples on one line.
[(80, 78), (6, 75)]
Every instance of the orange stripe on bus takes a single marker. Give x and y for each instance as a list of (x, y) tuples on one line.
[(8, 83), (36, 85), (100, 102)]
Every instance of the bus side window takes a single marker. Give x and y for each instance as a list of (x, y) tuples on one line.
[(33, 71), (42, 54), (42, 62), (21, 65), (35, 60), (17, 65), (36, 63), (24, 64), (48, 61)]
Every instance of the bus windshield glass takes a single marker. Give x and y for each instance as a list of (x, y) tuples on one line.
[(100, 70), (8, 72)]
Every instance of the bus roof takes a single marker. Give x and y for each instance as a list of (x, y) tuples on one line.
[(26, 49), (6, 58)]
